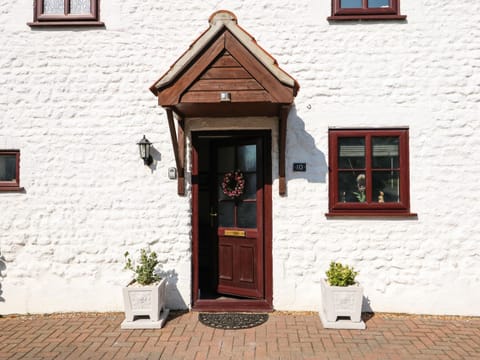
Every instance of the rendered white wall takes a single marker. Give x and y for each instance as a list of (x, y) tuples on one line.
[(76, 101)]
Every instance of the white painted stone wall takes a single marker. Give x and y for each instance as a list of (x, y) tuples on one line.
[(75, 102)]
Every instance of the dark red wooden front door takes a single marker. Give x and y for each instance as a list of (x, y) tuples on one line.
[(238, 220)]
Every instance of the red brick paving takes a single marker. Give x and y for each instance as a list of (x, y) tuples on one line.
[(285, 336)]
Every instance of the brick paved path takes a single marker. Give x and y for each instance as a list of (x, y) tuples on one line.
[(284, 336)]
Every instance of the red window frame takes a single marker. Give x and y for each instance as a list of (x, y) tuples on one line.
[(15, 184), (67, 19), (365, 13), (370, 207)]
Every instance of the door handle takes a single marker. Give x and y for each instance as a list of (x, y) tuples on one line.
[(213, 215)]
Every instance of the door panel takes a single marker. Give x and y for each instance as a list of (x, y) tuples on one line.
[(225, 261), (247, 268), (239, 226)]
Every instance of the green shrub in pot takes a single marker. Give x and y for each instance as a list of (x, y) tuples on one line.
[(341, 275), (145, 269)]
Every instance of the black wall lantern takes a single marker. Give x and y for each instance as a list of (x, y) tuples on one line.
[(144, 147)]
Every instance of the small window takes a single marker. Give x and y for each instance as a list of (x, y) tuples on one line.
[(366, 10), (369, 172), (66, 13), (9, 170)]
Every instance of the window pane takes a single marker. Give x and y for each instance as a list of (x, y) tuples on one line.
[(250, 186), (385, 152), (351, 153), (247, 157), (247, 215), (80, 7), (226, 214), (8, 168), (351, 187), (386, 186), (349, 4), (226, 159), (378, 3), (53, 7)]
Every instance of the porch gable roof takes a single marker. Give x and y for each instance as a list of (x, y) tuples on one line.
[(225, 73), (255, 78)]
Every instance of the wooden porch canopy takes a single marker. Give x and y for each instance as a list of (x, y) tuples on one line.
[(224, 73)]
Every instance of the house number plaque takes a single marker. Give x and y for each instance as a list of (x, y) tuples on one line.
[(299, 166), (239, 233)]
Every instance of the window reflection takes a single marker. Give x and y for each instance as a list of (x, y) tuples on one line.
[(8, 168), (247, 157), (386, 186), (247, 215), (226, 159), (80, 6), (378, 3), (385, 152), (351, 4), (53, 7), (351, 187), (226, 213), (250, 186), (351, 153)]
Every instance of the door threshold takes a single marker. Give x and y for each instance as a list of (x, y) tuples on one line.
[(232, 305)]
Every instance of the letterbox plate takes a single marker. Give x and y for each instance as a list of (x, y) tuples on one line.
[(239, 233)]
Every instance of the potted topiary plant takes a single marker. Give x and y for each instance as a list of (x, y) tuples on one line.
[(144, 297), (342, 298)]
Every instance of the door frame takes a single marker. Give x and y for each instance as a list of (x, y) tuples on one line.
[(225, 305)]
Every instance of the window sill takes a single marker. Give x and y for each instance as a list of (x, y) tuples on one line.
[(366, 17), (11, 189), (67, 24), (370, 214)]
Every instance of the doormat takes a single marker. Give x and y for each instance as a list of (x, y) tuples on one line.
[(232, 321)]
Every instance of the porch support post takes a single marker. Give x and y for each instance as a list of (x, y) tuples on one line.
[(176, 151), (181, 154), (282, 139)]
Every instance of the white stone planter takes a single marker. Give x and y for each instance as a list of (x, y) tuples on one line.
[(341, 301), (142, 301)]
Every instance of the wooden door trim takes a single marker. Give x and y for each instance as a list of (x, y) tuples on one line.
[(265, 304)]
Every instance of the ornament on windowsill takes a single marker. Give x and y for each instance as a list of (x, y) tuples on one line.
[(360, 194), (380, 197), (233, 184)]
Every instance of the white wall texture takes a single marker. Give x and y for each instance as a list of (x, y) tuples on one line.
[(75, 102)]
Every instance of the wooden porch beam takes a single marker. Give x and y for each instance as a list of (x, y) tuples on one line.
[(282, 139), (181, 154), (176, 150)]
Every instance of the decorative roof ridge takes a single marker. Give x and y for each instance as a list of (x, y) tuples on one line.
[(223, 16)]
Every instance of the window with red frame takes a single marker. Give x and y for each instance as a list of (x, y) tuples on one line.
[(366, 10), (369, 172), (9, 170), (66, 13)]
